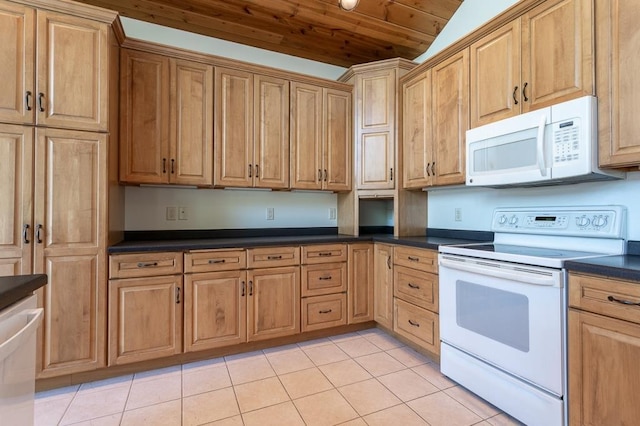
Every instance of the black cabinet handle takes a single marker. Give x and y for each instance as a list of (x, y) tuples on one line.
[(164, 165), (324, 254), (326, 311), (25, 233), (427, 169), (624, 302), (250, 170), (433, 168), (27, 100), (414, 324), (38, 229), (325, 175), (391, 173), (413, 259), (173, 167), (214, 261), (515, 89), (274, 257), (243, 289), (319, 175), (389, 262), (250, 288), (524, 92), (41, 101), (257, 171), (327, 278), (177, 295), (414, 286), (147, 264)]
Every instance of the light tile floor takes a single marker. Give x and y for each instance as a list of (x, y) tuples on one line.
[(363, 378)]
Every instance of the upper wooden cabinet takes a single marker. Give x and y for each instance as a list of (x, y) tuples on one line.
[(320, 138), (435, 121), (252, 130), (617, 62), (55, 69), (533, 61), (166, 132)]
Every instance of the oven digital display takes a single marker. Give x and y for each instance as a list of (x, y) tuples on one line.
[(545, 218)]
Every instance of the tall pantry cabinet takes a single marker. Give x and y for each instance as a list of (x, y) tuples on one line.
[(54, 123)]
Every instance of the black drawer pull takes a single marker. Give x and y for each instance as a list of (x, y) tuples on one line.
[(324, 253), (274, 257), (413, 259), (326, 278), (624, 302), (326, 311), (417, 287), (214, 261), (147, 264), (415, 324)]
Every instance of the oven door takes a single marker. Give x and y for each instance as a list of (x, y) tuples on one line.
[(506, 314)]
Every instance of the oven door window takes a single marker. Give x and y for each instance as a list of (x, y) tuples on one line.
[(497, 314)]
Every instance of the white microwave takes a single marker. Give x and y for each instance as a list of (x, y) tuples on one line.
[(552, 145)]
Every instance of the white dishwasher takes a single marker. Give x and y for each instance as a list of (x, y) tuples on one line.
[(18, 324)]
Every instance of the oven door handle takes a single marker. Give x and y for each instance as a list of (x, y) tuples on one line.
[(516, 273)]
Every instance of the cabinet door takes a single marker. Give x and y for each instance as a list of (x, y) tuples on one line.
[(274, 302), (337, 148), (450, 118), (17, 96), (616, 81), (233, 128), (495, 75), (144, 112), (383, 285), (215, 310), (16, 191), (375, 129), (73, 72), (417, 131), (557, 53), (306, 136), (191, 132), (360, 284), (603, 370), (70, 240), (145, 318)]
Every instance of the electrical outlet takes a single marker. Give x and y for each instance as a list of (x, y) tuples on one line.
[(332, 213), (182, 213), (270, 213), (458, 214), (172, 213)]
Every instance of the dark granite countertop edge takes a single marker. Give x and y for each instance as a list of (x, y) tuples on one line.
[(624, 267), (15, 288)]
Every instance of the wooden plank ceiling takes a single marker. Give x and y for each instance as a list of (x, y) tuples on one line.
[(312, 29)]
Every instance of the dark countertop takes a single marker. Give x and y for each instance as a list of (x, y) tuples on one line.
[(625, 267), (18, 287)]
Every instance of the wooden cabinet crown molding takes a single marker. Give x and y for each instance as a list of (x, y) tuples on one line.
[(219, 61), (74, 8), (399, 63)]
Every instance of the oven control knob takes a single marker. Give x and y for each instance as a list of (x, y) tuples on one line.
[(513, 220), (582, 221), (599, 221), (502, 220)]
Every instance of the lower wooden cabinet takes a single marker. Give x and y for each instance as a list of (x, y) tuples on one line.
[(145, 318), (360, 283), (324, 311), (273, 302), (417, 324), (383, 285)]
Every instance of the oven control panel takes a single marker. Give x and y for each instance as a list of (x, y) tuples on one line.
[(601, 221)]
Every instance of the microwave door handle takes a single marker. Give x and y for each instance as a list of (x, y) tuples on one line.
[(540, 145)]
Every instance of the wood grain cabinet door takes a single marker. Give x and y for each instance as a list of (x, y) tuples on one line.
[(450, 118), (337, 141), (306, 136), (73, 72), (417, 131), (360, 283), (271, 141), (191, 123), (557, 52), (16, 192), (17, 97), (144, 112), (383, 285), (273, 303), (233, 125)]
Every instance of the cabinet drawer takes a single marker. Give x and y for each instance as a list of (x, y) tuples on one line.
[(591, 293), (144, 264), (418, 325), (324, 253), (425, 260), (270, 257), (215, 260), (324, 279), (324, 311), (417, 287)]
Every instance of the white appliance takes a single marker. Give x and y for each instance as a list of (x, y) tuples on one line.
[(553, 145), (18, 324), (503, 305)]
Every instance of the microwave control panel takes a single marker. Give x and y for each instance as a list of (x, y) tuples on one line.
[(601, 222), (566, 141)]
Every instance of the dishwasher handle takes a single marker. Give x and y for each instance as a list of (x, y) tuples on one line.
[(9, 346), (522, 274)]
